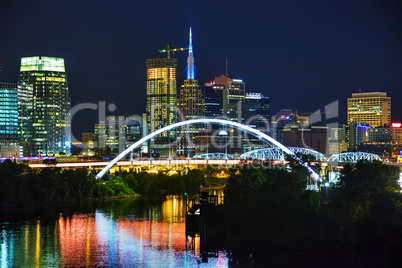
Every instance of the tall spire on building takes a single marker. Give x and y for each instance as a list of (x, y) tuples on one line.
[(190, 60)]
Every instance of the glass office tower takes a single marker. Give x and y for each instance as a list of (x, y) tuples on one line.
[(8, 111), (161, 94), (43, 105), (9, 146)]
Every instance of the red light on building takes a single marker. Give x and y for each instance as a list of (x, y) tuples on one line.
[(396, 125)]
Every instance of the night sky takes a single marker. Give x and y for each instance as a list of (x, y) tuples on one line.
[(302, 54)]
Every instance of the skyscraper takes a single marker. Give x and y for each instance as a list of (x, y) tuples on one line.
[(8, 111), (43, 104), (191, 101), (9, 146), (234, 90), (357, 133), (285, 119), (372, 108), (161, 94), (110, 136), (259, 111), (213, 102)]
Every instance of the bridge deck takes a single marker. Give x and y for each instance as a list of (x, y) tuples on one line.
[(143, 163)]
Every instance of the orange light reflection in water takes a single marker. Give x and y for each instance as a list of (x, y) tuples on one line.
[(77, 240), (193, 244), (37, 245), (100, 239), (150, 234)]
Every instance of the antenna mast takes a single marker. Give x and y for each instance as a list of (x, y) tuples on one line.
[(226, 65)]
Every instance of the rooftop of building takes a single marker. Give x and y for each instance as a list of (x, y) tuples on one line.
[(6, 85), (42, 63), (161, 63), (369, 94), (225, 80), (253, 95)]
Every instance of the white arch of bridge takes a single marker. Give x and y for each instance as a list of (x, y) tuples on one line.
[(223, 122)]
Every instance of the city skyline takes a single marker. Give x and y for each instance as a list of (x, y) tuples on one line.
[(211, 133), (278, 49)]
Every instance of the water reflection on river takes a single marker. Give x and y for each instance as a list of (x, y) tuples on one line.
[(147, 232)]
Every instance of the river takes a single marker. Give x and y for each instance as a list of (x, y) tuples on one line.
[(131, 232)]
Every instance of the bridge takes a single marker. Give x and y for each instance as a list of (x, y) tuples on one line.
[(220, 159), (276, 154), (222, 122), (144, 163), (214, 156), (353, 157)]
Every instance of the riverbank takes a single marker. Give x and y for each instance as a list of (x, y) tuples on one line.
[(22, 186), (155, 184)]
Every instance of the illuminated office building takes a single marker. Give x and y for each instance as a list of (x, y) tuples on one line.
[(228, 90), (161, 94), (109, 136), (191, 102), (397, 133), (234, 90), (384, 141), (115, 134), (9, 146), (372, 108), (254, 112), (213, 102), (231, 93), (338, 139), (133, 130), (286, 118), (257, 115), (8, 111), (87, 136), (43, 103), (379, 134), (357, 133)]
